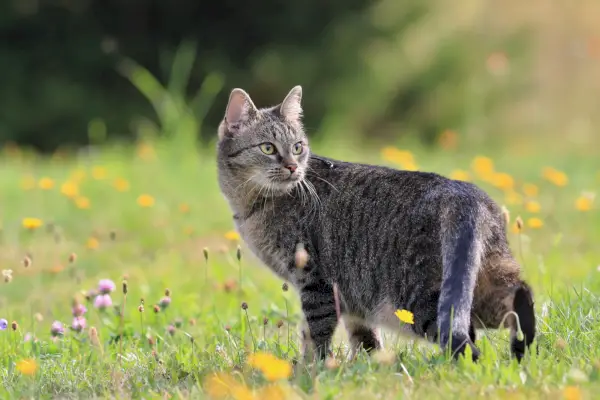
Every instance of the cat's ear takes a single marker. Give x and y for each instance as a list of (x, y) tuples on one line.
[(291, 109), (240, 109)]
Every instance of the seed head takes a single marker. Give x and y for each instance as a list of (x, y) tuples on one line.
[(156, 309), (192, 321), (285, 287), (244, 306), (301, 256), (239, 253), (141, 308), (151, 342), (72, 258), (124, 287), (519, 222), (167, 292), (506, 215), (93, 332), (27, 262), (164, 302), (227, 328), (178, 323), (171, 329), (14, 325), (205, 252), (265, 321), (279, 323)]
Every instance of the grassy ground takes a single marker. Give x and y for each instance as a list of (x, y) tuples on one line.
[(151, 217)]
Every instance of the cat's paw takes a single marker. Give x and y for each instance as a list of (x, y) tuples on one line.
[(459, 344)]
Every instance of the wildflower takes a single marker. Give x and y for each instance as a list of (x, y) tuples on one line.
[(244, 306), (121, 184), (555, 176), (28, 337), (78, 175), (46, 183), (530, 190), (26, 262), (164, 302), (79, 310), (519, 223), (69, 189), (460, 175), (98, 173), (31, 223), (171, 330), (178, 323), (82, 203), (145, 200), (184, 208), (271, 367), (38, 317), (167, 292), (91, 294), (506, 215), (403, 158), (93, 334), (72, 258), (156, 309), (141, 308), (572, 393), (7, 275), (535, 223), (92, 243), (301, 256), (124, 287), (106, 286), (233, 236), (57, 268), (57, 329), (27, 366), (192, 321), (512, 197), (503, 181), (448, 139), (14, 325), (3, 324), (405, 316), (102, 301), (78, 324), (221, 385), (585, 202), (205, 252), (533, 207), (483, 166), (238, 254), (279, 323)]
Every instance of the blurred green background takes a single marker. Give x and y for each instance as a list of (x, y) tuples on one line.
[(75, 72)]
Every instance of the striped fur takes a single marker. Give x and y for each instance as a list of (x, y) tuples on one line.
[(388, 239)]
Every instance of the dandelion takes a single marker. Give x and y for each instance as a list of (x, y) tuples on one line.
[(106, 286), (555, 176), (512, 197), (7, 275), (46, 183), (3, 324), (483, 166), (535, 223), (405, 316), (572, 393), (145, 200), (77, 175), (460, 175), (585, 202), (533, 207), (78, 324), (57, 329), (272, 368), (221, 385), (400, 157), (69, 189), (530, 190), (164, 302), (102, 301), (98, 173), (27, 366), (92, 243), (82, 202), (120, 184), (503, 181), (32, 223), (232, 236)]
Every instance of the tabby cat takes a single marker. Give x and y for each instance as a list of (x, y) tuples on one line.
[(385, 239)]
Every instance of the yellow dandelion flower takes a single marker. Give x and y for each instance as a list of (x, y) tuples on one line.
[(585, 202), (221, 385), (513, 198), (92, 243), (69, 189), (233, 236), (555, 176), (99, 173), (145, 151), (32, 223), (28, 182), (122, 185), (405, 316), (530, 190), (184, 208), (272, 368), (460, 175), (145, 200), (403, 158), (503, 181), (46, 183), (271, 392), (572, 393), (82, 202), (535, 223), (533, 207), (27, 366), (483, 166), (57, 269)]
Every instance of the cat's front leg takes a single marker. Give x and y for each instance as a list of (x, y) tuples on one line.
[(320, 317)]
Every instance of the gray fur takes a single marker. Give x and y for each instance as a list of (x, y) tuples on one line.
[(389, 239)]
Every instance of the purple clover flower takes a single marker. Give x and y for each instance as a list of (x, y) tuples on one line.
[(57, 329), (164, 302), (102, 301), (79, 310), (3, 324), (105, 286), (78, 324)]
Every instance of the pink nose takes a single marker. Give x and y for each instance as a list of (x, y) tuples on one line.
[(292, 167)]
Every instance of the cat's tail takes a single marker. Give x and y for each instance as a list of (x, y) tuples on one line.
[(462, 249)]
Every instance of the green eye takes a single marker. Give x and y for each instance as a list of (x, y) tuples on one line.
[(267, 148), (298, 148)]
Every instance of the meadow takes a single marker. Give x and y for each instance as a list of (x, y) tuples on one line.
[(122, 278)]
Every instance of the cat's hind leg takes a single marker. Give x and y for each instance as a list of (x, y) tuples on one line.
[(362, 336)]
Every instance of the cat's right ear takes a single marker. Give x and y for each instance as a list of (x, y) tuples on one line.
[(240, 109)]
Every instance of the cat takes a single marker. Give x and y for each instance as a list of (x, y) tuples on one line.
[(386, 239)]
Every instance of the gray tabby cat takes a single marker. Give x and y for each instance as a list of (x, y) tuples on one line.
[(388, 239)]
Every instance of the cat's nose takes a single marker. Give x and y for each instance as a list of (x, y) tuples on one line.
[(291, 167)]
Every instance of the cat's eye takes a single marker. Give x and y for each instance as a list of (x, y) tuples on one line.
[(267, 148), (297, 149)]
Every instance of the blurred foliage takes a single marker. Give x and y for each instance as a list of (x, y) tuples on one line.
[(384, 68)]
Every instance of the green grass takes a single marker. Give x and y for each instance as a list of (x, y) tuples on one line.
[(162, 247)]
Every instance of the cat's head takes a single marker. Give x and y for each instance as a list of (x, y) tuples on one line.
[(263, 148)]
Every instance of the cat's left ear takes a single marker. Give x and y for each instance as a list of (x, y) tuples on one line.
[(290, 108)]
